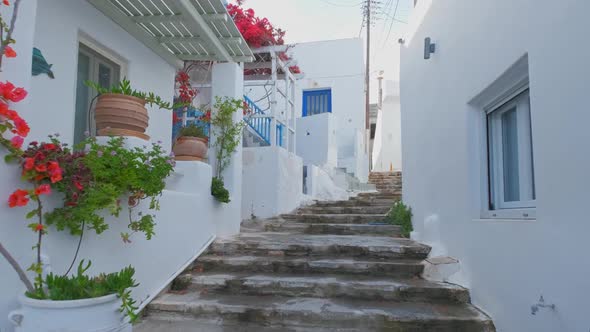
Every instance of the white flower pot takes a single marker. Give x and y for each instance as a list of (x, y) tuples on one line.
[(90, 315)]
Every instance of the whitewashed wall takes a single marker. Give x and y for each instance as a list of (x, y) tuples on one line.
[(339, 65), (272, 182), (189, 217), (507, 264), (387, 148), (317, 140)]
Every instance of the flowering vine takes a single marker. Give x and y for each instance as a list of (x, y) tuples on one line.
[(258, 32)]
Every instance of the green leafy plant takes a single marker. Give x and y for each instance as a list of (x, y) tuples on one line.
[(192, 130), (218, 190), (81, 286), (228, 133), (124, 88), (96, 180), (400, 214)]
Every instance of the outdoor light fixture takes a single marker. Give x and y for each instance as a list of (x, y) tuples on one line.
[(429, 48)]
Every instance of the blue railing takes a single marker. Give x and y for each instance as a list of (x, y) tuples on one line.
[(261, 126)]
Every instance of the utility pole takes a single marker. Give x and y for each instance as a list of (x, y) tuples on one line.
[(380, 78), (367, 78)]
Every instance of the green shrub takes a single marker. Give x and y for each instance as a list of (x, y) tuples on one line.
[(81, 286), (401, 215), (218, 190)]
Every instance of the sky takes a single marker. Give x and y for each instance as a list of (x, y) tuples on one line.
[(314, 20)]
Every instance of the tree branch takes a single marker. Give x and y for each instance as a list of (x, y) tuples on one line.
[(6, 40), (21, 273)]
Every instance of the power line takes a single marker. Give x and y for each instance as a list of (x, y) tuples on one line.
[(342, 5), (392, 21)]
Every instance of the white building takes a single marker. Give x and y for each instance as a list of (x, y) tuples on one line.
[(76, 36), (331, 130), (326, 152), (495, 152), (387, 146)]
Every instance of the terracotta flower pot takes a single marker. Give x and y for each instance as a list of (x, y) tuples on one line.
[(190, 148), (121, 115)]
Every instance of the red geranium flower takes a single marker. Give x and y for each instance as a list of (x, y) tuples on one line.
[(41, 168), (29, 164), (43, 189), (6, 2), (17, 142), (8, 51), (18, 198), (39, 228), (78, 185)]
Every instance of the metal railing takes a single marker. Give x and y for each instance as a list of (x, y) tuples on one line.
[(260, 123)]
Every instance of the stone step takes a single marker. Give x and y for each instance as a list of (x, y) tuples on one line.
[(280, 312), (329, 286), (334, 229), (357, 202), (171, 322), (285, 244), (336, 218), (382, 209), (379, 195), (405, 268)]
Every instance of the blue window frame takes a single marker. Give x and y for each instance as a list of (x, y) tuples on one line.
[(317, 102)]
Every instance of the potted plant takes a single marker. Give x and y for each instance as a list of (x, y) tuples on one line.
[(120, 110), (91, 181), (228, 134), (191, 144)]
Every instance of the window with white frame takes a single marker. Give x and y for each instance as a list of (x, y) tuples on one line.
[(95, 67), (510, 154)]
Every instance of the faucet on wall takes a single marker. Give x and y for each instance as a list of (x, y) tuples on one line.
[(541, 304)]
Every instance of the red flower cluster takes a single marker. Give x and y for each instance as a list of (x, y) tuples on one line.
[(19, 197), (257, 31), (40, 164), (186, 92), (12, 93), (206, 117)]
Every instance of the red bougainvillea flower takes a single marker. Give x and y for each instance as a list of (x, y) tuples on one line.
[(18, 198), (12, 93), (43, 189), (9, 52), (6, 2), (41, 168), (17, 142), (29, 164), (21, 127)]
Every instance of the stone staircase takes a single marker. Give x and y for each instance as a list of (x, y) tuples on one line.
[(332, 266), (387, 182)]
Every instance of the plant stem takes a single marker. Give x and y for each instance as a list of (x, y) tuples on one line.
[(6, 40), (21, 273), (39, 241)]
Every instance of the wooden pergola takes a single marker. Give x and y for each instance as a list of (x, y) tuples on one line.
[(180, 30)]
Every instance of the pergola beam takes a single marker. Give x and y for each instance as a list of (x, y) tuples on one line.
[(210, 37), (198, 39), (110, 11)]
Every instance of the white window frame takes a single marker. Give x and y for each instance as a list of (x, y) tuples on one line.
[(85, 41), (509, 85), (520, 102)]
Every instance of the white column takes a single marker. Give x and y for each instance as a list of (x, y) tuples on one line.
[(228, 81), (273, 101)]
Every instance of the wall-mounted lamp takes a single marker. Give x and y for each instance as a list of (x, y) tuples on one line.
[(401, 41), (429, 48)]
